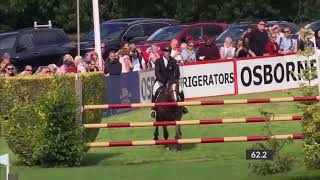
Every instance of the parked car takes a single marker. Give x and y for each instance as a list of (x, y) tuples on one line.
[(195, 31), (115, 32), (36, 46), (314, 26), (236, 30)]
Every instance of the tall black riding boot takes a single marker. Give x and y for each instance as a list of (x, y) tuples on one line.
[(184, 109)]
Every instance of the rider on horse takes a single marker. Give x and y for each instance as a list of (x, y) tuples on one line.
[(166, 70)]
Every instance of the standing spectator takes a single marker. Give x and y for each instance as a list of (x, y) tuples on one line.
[(80, 64), (6, 59), (153, 55), (175, 52), (27, 71), (245, 37), (137, 61), (9, 70), (287, 43), (113, 66), (258, 39), (209, 50), (227, 51), (276, 29), (317, 36), (189, 54), (272, 47), (125, 50), (126, 64), (52, 68)]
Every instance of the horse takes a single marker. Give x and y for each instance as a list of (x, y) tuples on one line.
[(170, 93)]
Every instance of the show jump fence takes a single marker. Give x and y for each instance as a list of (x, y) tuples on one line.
[(197, 122), (203, 103)]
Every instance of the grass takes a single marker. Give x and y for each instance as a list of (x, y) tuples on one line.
[(200, 161)]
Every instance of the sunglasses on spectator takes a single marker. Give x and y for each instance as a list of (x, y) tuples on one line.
[(10, 69), (28, 69), (191, 45), (286, 31)]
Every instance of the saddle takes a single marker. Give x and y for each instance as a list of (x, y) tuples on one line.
[(158, 92)]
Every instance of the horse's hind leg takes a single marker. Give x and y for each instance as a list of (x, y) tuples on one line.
[(156, 133), (165, 135), (178, 136)]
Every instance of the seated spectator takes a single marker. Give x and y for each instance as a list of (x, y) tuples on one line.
[(304, 42), (52, 68), (43, 70), (175, 52), (67, 57), (27, 71), (287, 43), (67, 67), (317, 36), (113, 66), (258, 39), (94, 60), (241, 50), (153, 55), (92, 68), (137, 61), (276, 29), (6, 59), (9, 70), (208, 50), (183, 46), (80, 64), (126, 64), (227, 51), (189, 54), (272, 47)]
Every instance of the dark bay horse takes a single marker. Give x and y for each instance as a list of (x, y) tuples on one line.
[(169, 94)]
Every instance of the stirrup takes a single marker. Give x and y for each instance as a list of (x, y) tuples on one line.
[(153, 114)]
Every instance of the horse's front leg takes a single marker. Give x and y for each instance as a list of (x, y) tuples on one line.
[(156, 133), (178, 136), (166, 136)]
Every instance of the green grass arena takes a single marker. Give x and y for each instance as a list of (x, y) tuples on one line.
[(195, 161)]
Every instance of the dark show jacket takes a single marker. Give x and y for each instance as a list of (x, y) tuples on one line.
[(164, 74)]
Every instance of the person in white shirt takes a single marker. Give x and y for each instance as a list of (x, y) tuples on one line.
[(227, 51), (287, 43), (137, 61), (175, 52)]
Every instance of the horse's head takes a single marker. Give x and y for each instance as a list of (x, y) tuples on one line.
[(173, 91)]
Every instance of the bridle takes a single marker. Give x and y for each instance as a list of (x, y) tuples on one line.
[(173, 90)]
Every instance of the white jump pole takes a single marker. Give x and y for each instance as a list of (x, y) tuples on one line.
[(96, 23)]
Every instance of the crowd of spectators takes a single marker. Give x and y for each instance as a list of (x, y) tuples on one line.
[(69, 65), (260, 40)]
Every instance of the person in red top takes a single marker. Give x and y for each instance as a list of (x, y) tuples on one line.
[(272, 47)]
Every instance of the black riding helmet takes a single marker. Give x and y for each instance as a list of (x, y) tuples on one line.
[(166, 49)]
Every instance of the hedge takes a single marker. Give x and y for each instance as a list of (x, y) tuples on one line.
[(25, 118)]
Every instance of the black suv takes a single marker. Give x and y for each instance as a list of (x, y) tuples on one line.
[(36, 46), (115, 32), (236, 30)]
